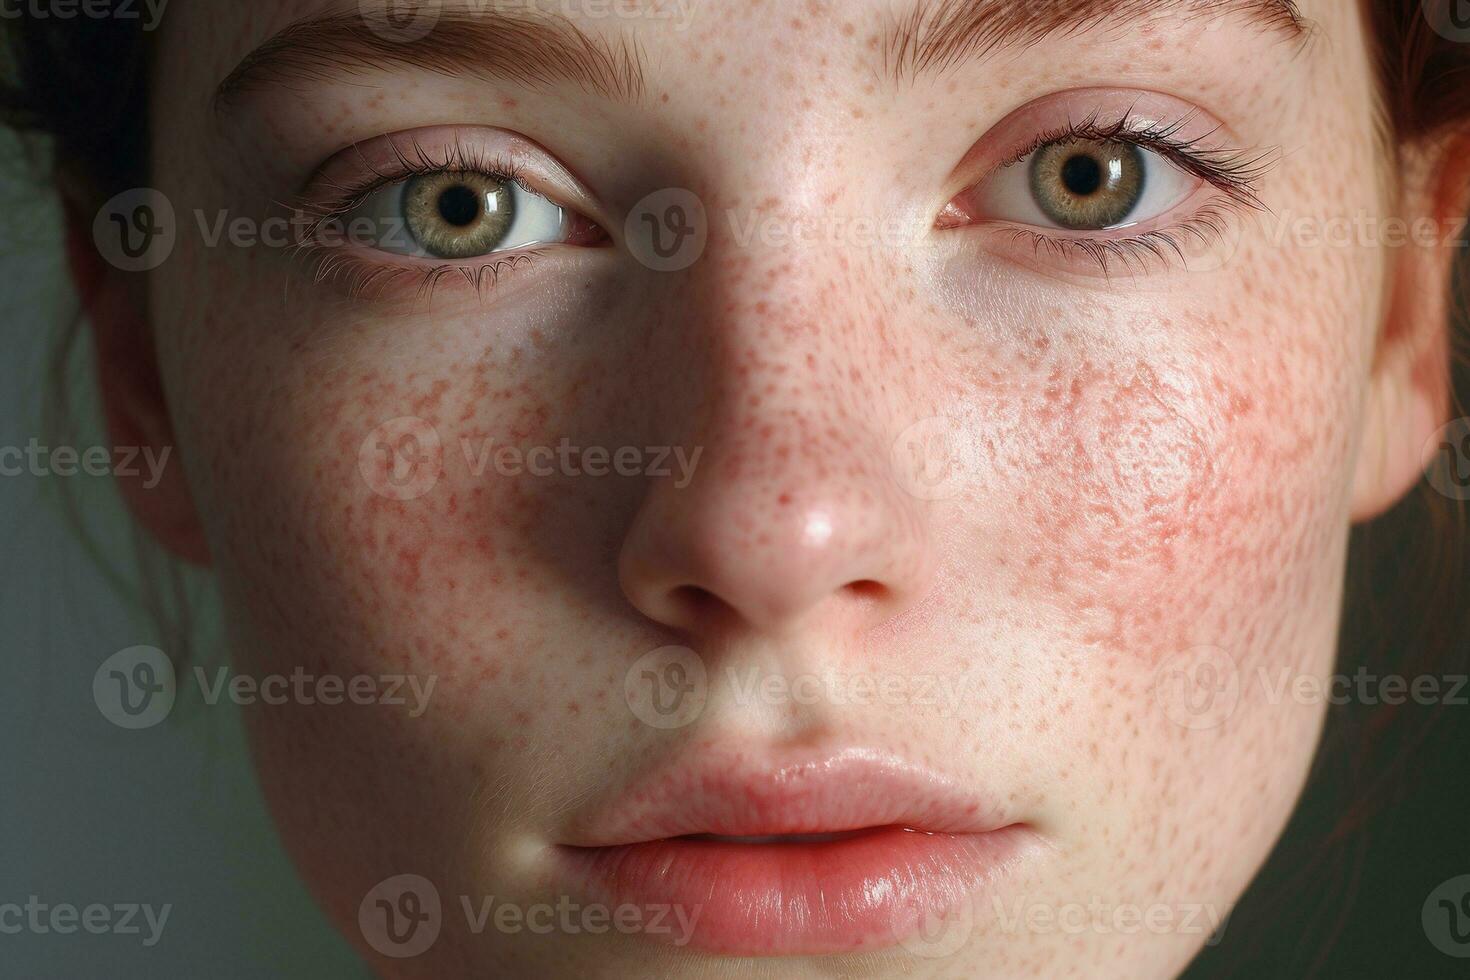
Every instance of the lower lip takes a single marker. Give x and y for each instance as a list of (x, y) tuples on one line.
[(863, 892)]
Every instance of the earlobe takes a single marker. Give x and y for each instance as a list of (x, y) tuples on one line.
[(1408, 397), (146, 461)]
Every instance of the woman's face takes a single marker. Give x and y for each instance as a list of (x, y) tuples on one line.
[(952, 450)]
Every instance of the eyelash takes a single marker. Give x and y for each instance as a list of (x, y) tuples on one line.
[(1209, 223), (359, 276), (1236, 173)]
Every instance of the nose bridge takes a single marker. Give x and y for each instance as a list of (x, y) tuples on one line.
[(794, 504), (794, 349)]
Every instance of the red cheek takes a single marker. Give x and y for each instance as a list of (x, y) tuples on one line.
[(1130, 506)]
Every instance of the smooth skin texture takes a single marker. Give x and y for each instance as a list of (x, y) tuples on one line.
[(1161, 459)]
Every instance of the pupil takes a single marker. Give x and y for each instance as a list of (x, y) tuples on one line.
[(1083, 175), (459, 206)]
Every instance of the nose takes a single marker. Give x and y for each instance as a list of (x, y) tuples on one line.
[(768, 545), (793, 515)]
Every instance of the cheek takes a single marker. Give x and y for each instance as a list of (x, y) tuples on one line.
[(376, 513), (358, 530), (1182, 491)]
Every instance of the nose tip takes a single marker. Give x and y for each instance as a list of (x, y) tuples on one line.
[(719, 558)]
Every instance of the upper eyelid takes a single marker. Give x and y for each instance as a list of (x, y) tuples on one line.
[(355, 195), (1152, 119), (379, 161), (1234, 171)]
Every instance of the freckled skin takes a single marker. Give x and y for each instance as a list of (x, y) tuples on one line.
[(1148, 466)]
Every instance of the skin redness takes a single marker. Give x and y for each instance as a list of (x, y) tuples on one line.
[(986, 378)]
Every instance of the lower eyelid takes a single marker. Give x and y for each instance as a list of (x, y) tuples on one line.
[(370, 274), (1203, 230)]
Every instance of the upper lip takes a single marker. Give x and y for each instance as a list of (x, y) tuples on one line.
[(729, 794)]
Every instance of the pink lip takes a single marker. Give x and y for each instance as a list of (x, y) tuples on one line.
[(910, 842)]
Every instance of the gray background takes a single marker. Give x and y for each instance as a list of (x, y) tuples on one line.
[(90, 812)]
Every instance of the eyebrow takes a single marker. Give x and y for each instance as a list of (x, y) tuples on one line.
[(535, 51), (546, 49), (939, 34)]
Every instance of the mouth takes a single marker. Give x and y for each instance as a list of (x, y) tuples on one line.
[(829, 854)]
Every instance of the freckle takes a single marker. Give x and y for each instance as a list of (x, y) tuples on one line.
[(410, 563)]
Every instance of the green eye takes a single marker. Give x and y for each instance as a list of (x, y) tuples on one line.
[(1088, 184), (458, 215)]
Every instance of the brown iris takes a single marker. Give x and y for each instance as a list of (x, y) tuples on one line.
[(1088, 184), (458, 215)]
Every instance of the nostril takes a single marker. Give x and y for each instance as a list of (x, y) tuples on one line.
[(868, 589), (698, 604)]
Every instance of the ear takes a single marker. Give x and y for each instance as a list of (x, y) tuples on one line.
[(1409, 387), (152, 483)]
